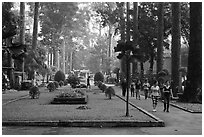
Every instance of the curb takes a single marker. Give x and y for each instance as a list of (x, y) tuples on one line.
[(182, 108), (185, 109), (158, 120), (85, 123), (16, 99)]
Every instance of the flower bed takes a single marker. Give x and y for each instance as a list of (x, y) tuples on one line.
[(75, 96)]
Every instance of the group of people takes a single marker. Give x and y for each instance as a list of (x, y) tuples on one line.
[(154, 91)]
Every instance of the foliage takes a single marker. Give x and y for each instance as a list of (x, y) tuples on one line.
[(61, 83), (56, 84), (98, 77), (51, 86), (34, 92), (9, 20), (26, 85), (73, 80), (72, 94), (109, 92), (111, 80), (59, 76), (102, 87)]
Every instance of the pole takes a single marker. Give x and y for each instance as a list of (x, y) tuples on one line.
[(127, 59), (127, 98)]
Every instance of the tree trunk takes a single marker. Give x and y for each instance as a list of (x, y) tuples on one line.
[(35, 32), (123, 60), (194, 75), (35, 26), (160, 37), (135, 34), (176, 46), (141, 69), (22, 31), (151, 61), (11, 64)]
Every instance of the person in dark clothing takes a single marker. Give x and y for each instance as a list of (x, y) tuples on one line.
[(132, 89), (138, 86), (167, 94), (88, 82), (124, 87)]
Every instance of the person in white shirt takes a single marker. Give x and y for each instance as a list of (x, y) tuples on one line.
[(155, 94), (146, 86)]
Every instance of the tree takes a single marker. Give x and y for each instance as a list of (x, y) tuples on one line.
[(9, 29), (176, 45), (194, 74), (160, 37), (22, 31), (56, 21)]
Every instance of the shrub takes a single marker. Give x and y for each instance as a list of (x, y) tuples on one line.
[(26, 85), (51, 86), (34, 92), (56, 84), (99, 83), (103, 87), (109, 92), (59, 76), (73, 80), (111, 80), (61, 83), (99, 77)]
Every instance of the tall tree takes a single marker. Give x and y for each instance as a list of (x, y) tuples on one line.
[(35, 25), (176, 46), (135, 32), (160, 37), (194, 75), (22, 31)]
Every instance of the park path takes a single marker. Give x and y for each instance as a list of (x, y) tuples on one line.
[(176, 121)]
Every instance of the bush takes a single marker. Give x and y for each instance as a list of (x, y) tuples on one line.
[(109, 92), (56, 84), (61, 83), (73, 80), (111, 80), (99, 83), (34, 92), (103, 87), (99, 77), (59, 76), (26, 85), (51, 86)]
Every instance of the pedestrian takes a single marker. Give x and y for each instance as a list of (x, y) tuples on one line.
[(132, 89), (88, 82), (124, 87), (146, 87), (154, 95), (167, 94), (138, 86)]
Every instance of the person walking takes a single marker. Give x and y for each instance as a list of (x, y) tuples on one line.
[(124, 87), (167, 92), (138, 86), (146, 87), (88, 82), (154, 95), (132, 89)]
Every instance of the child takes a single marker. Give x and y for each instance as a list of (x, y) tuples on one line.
[(132, 90), (155, 94)]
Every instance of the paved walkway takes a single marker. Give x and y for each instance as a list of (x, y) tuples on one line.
[(176, 120)]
